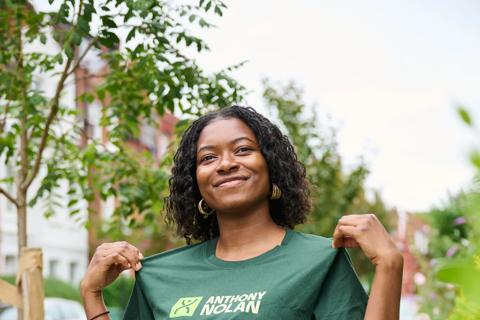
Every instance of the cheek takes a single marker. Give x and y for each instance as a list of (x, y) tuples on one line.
[(202, 179), (262, 169)]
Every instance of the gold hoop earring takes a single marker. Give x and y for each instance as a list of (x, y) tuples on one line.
[(276, 192), (203, 208)]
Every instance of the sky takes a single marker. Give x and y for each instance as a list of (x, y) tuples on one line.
[(388, 75)]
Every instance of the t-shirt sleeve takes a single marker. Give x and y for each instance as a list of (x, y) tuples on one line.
[(138, 307), (342, 295)]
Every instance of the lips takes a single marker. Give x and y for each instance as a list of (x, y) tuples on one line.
[(229, 180)]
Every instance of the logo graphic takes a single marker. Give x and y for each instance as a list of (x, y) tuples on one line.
[(185, 307)]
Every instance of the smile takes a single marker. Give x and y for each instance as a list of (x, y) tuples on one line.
[(230, 183)]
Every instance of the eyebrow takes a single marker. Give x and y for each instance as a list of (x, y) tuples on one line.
[(210, 146)]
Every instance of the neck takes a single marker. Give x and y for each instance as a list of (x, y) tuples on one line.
[(245, 235)]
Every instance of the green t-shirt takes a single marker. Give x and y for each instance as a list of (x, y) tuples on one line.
[(303, 278)]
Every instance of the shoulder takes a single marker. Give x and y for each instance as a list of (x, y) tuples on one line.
[(312, 238), (307, 242), (310, 249), (177, 256)]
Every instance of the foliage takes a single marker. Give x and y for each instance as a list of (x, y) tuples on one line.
[(118, 293), (437, 298), (54, 288), (455, 253), (335, 192), (464, 270), (143, 47)]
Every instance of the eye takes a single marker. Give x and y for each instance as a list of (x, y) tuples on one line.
[(244, 149), (206, 158)]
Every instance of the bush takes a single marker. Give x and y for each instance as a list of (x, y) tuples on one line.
[(118, 293), (54, 288)]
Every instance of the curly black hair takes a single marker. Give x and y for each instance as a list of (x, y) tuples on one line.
[(283, 167)]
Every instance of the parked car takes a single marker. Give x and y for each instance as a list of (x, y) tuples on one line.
[(55, 309)]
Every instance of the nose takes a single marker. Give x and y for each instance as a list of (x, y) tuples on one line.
[(227, 163)]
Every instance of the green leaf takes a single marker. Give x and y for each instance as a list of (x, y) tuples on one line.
[(475, 158), (88, 10), (131, 34), (83, 25), (72, 202), (465, 115), (69, 52), (108, 22), (76, 38), (203, 23), (43, 38), (464, 274), (101, 94), (128, 15), (109, 39)]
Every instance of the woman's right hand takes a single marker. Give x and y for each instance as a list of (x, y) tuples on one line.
[(109, 260)]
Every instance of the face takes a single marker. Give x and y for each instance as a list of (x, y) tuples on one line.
[(232, 173)]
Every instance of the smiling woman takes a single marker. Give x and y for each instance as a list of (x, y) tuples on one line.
[(238, 190), (219, 139)]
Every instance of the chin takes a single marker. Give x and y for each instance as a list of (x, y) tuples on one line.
[(234, 203)]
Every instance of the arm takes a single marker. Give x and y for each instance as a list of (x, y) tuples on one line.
[(94, 305), (366, 232), (109, 260), (384, 301)]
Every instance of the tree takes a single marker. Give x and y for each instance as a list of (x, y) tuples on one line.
[(144, 46), (454, 256), (334, 192)]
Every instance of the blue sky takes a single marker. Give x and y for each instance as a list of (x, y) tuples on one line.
[(388, 74)]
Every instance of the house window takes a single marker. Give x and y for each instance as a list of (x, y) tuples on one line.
[(72, 271), (53, 268), (10, 264)]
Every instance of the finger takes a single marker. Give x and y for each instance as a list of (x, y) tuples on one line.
[(350, 243), (350, 236), (115, 258), (351, 219), (130, 252), (337, 239), (349, 231), (345, 236), (103, 250)]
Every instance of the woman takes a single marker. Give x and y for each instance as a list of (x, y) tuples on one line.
[(238, 189)]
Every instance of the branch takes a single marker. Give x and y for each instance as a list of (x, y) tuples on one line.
[(77, 63), (89, 77), (23, 150), (51, 117), (53, 112), (9, 196), (4, 118)]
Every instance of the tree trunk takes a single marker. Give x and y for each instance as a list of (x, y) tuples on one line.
[(21, 236), (21, 219)]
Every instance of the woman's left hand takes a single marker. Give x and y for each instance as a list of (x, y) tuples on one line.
[(368, 233)]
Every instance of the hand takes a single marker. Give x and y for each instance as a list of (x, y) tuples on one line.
[(368, 233), (109, 260)]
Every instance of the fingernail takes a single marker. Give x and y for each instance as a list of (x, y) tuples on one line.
[(138, 266), (141, 255)]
